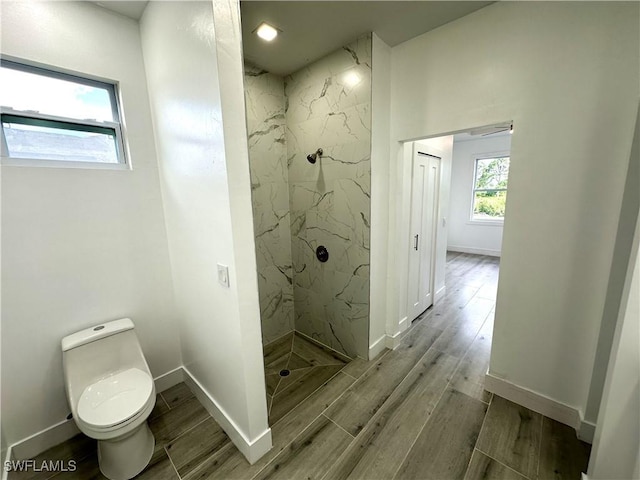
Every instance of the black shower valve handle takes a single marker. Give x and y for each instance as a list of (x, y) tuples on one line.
[(322, 253)]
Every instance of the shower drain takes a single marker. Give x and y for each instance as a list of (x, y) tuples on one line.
[(284, 373)]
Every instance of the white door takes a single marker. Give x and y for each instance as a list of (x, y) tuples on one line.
[(425, 187)]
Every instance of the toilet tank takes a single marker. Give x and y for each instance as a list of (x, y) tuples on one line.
[(98, 352)]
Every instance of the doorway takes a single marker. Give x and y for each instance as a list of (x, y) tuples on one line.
[(456, 202)]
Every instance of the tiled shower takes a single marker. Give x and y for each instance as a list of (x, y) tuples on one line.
[(299, 206)]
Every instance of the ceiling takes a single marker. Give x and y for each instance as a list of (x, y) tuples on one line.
[(312, 29), (131, 9)]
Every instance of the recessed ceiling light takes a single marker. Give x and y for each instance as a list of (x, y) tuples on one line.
[(266, 32)]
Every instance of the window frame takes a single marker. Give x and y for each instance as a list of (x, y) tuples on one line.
[(476, 158), (114, 128)]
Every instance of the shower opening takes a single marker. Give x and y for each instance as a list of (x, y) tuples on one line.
[(309, 137)]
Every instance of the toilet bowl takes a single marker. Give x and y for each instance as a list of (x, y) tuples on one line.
[(111, 394)]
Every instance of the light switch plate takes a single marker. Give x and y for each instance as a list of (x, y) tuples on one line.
[(223, 275)]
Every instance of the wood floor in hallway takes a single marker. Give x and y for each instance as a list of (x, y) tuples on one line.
[(417, 412)]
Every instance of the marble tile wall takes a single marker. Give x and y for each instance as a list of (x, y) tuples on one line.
[(265, 102), (329, 106)]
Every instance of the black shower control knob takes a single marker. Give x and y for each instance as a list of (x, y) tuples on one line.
[(322, 253)]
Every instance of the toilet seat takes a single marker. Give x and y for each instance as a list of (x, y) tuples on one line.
[(115, 399)]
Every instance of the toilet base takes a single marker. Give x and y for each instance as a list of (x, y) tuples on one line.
[(124, 458)]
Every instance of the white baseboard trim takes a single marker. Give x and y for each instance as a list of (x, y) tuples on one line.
[(251, 449), (66, 429), (476, 251), (392, 341), (534, 401), (440, 293), (404, 324), (587, 430), (169, 379), (377, 347), (45, 439)]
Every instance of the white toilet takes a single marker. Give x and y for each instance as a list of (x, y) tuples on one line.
[(111, 393)]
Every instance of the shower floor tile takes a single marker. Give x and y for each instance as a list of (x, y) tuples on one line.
[(294, 369)]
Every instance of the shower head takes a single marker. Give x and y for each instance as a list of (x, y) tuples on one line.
[(313, 156)]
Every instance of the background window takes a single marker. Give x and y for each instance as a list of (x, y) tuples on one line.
[(53, 116), (490, 189)]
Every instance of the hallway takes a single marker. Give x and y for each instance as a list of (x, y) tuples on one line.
[(417, 412)]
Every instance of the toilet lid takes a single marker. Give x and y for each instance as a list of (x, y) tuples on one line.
[(115, 399)]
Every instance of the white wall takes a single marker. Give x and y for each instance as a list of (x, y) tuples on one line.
[(617, 276), (567, 74), (616, 449), (197, 98), (466, 236), (79, 246), (380, 150), (3, 446), (226, 16)]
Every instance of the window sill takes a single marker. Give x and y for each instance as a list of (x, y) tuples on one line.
[(486, 223), (28, 162)]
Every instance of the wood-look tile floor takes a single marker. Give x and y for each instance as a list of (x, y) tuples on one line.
[(417, 412)]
